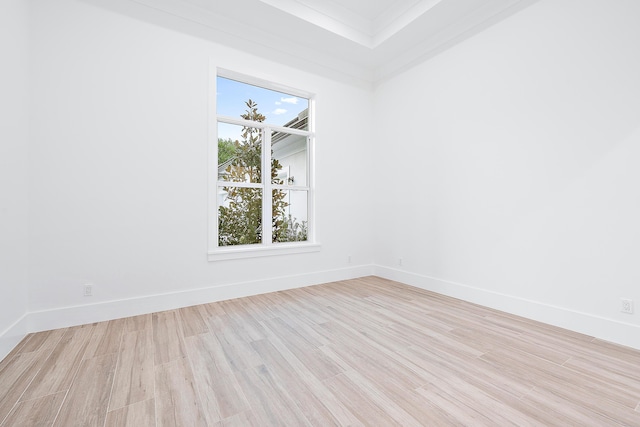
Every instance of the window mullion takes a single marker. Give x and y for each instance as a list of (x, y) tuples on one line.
[(311, 185), (239, 184), (289, 187), (267, 220)]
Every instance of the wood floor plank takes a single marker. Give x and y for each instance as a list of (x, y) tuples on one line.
[(193, 323), (219, 391), (492, 340), (476, 372), (15, 377), (303, 349), (302, 300), (495, 410), (360, 352), (460, 413), (140, 414), (381, 396), (369, 413), (295, 317), (263, 307), (233, 341), (617, 386), (41, 411), (167, 337), (246, 325), (270, 403), (213, 309), (177, 403), (566, 412), (138, 323), (244, 419), (87, 401), (614, 351), (105, 338), (370, 363), (43, 341), (134, 377), (356, 348), (304, 372), (314, 410), (14, 352), (59, 369), (587, 395), (23, 365)]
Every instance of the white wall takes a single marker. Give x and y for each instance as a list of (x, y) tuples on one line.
[(14, 184), (119, 170), (514, 185), (515, 181)]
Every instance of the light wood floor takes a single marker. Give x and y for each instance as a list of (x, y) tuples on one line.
[(359, 352)]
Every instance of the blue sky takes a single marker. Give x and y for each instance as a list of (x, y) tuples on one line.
[(278, 107)]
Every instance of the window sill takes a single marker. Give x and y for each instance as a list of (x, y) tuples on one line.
[(227, 253)]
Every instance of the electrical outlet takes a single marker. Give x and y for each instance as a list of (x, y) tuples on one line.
[(88, 290), (348, 259), (400, 262), (626, 305)]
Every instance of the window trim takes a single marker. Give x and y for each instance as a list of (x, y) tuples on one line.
[(258, 250), (267, 247)]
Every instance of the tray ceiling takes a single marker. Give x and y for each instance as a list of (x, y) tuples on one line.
[(361, 40)]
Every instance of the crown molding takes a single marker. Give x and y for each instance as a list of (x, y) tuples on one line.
[(336, 45)]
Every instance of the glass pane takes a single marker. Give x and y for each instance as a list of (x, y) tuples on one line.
[(289, 215), (239, 153), (289, 159), (240, 216), (277, 108)]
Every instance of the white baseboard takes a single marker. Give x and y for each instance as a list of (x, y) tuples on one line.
[(599, 327), (10, 337), (79, 315)]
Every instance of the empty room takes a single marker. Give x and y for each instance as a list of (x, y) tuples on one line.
[(319, 213)]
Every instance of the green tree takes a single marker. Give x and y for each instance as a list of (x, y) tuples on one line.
[(240, 222), (226, 150)]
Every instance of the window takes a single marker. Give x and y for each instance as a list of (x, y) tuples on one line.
[(263, 201)]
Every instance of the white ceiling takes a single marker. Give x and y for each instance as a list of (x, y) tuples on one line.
[(360, 40), (368, 23), (367, 9)]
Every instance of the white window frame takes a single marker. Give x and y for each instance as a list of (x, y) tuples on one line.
[(267, 247)]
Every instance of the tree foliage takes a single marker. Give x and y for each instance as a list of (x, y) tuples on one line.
[(240, 222), (226, 150)]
